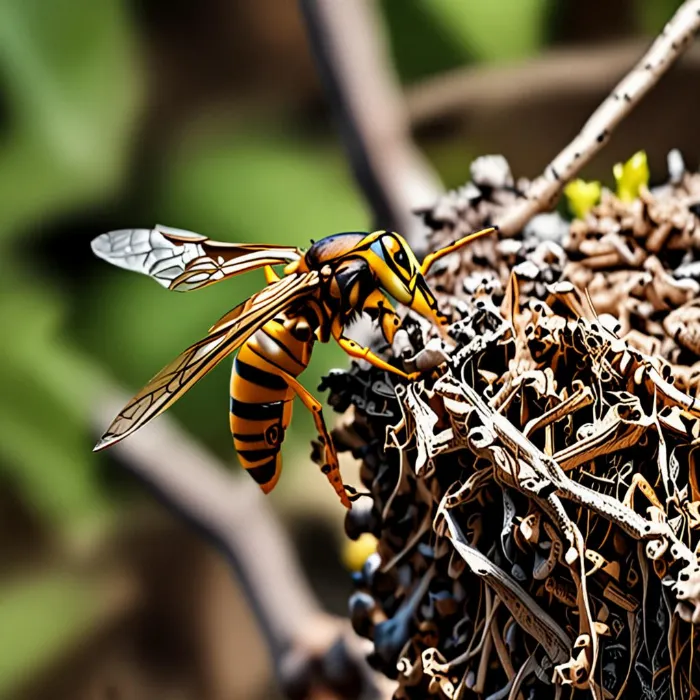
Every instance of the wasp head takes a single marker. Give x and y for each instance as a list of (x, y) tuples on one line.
[(398, 272)]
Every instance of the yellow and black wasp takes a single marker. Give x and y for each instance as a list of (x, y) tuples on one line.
[(274, 331)]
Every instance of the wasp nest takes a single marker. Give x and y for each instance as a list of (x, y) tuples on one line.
[(536, 499)]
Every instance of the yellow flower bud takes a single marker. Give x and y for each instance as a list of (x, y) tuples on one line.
[(582, 196), (631, 176)]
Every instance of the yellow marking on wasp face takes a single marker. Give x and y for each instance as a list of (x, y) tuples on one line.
[(391, 244), (393, 284)]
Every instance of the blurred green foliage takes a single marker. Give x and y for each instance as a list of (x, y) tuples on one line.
[(479, 27), (72, 77), (651, 16), (43, 436), (43, 616), (71, 91), (454, 32)]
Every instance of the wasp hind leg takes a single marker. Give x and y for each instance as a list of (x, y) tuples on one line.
[(331, 467)]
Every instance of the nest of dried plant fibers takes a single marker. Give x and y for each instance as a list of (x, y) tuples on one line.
[(536, 498)]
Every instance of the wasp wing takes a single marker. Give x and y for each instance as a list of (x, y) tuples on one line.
[(190, 366), (182, 260)]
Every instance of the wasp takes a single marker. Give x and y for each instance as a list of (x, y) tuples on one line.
[(318, 294)]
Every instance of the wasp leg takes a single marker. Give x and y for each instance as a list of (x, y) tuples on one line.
[(433, 257), (270, 275), (379, 308), (331, 468), (362, 353)]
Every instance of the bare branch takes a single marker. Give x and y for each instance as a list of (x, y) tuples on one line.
[(231, 511), (363, 91), (546, 190), (556, 73), (235, 515)]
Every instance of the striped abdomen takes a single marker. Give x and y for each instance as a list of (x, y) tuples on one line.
[(261, 400)]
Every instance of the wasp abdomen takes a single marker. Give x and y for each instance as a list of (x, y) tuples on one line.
[(261, 399)]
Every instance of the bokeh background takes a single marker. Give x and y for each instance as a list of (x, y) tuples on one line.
[(209, 116)]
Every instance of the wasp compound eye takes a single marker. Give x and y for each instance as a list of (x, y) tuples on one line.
[(401, 259)]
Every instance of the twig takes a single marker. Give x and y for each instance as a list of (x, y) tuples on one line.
[(558, 73), (352, 60), (546, 190), (230, 511), (234, 514)]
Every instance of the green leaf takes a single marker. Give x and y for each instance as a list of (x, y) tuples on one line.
[(72, 92), (41, 618)]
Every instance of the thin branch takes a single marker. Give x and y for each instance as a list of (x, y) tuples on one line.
[(233, 513), (352, 59), (559, 73), (230, 511), (546, 190)]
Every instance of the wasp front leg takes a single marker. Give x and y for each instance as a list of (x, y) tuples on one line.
[(331, 466), (360, 352), (379, 309)]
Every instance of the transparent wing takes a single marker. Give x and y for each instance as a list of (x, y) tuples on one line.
[(190, 366), (182, 260)]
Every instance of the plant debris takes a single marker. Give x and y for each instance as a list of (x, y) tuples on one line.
[(536, 498)]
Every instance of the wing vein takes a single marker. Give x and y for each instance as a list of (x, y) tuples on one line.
[(192, 364)]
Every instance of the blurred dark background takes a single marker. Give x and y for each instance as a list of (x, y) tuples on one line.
[(209, 116)]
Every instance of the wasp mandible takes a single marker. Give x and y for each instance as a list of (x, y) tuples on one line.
[(321, 291)]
